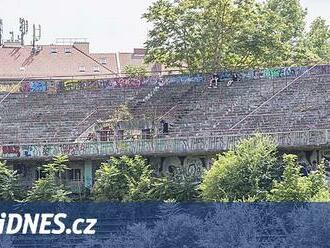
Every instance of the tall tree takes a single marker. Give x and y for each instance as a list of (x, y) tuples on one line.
[(319, 39), (293, 18), (211, 35)]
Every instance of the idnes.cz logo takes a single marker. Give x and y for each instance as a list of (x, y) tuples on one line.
[(46, 223)]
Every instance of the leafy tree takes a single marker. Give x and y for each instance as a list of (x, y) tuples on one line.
[(209, 35), (128, 179), (293, 17), (246, 172), (319, 39), (135, 70), (295, 187), (121, 113), (51, 188), (123, 179), (291, 32), (9, 185)]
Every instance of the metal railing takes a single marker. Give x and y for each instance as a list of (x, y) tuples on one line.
[(166, 145)]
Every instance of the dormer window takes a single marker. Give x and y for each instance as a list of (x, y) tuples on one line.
[(53, 50), (138, 55), (67, 50), (82, 69), (103, 61), (96, 69)]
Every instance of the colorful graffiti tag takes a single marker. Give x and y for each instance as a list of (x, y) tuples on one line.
[(74, 85), (159, 146), (275, 73), (50, 86)]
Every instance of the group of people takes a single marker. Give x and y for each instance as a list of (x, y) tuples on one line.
[(216, 79)]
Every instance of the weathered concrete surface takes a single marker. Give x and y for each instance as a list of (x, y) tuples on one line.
[(161, 146)]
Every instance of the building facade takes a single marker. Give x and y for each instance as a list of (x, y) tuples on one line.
[(178, 122)]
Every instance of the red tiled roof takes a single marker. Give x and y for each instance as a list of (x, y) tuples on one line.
[(66, 61), (53, 61)]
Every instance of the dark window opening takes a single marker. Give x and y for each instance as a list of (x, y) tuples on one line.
[(146, 133), (39, 174), (21, 169), (106, 134), (75, 174), (120, 134)]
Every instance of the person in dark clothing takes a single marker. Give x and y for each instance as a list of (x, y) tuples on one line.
[(165, 127), (235, 77)]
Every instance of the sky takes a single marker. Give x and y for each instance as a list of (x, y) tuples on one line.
[(109, 25)]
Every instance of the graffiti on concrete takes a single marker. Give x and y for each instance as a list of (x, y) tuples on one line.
[(193, 167), (275, 73), (308, 160), (181, 145), (171, 165), (11, 151), (51, 86), (97, 84)]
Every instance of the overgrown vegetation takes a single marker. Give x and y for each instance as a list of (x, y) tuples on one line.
[(294, 187), (9, 184), (245, 172), (214, 35), (250, 172), (123, 179), (121, 113), (131, 179), (51, 187)]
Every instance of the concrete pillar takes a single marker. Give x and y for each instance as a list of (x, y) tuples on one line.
[(88, 174)]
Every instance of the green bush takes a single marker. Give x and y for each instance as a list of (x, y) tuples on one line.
[(298, 188), (123, 179), (246, 172), (9, 184), (51, 188)]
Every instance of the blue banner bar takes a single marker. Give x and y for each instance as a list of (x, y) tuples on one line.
[(143, 225)]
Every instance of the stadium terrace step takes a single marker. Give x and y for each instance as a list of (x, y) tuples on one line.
[(190, 108)]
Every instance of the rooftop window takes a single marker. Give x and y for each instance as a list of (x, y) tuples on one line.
[(67, 50), (53, 50), (103, 61), (82, 69)]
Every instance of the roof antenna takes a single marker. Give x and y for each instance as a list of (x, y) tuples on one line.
[(23, 28), (1, 31), (36, 37), (12, 38)]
